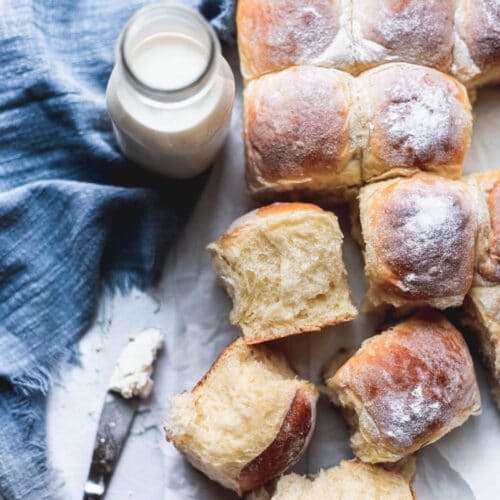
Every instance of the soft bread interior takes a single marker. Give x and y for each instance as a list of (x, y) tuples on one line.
[(235, 412), (285, 275), (350, 480)]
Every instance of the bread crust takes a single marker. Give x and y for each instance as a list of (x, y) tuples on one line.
[(276, 34), (405, 31), (407, 387), (477, 45), (289, 445), (485, 188), (419, 236), (481, 314)]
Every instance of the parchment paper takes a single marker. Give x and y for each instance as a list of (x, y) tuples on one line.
[(192, 310)]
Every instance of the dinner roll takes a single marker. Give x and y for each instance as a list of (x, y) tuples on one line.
[(350, 480), (247, 420), (485, 188), (419, 235), (276, 34), (282, 266), (477, 42), (482, 315), (409, 31), (416, 119), (406, 388), (298, 137)]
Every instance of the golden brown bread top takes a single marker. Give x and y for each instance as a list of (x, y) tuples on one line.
[(276, 34), (418, 118), (481, 20), (420, 232), (296, 124), (273, 210), (416, 381), (413, 30)]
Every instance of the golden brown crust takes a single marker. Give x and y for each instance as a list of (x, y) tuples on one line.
[(486, 189), (481, 19), (289, 444), (276, 34), (419, 236), (405, 30), (409, 386), (274, 209), (297, 133), (419, 119), (340, 318)]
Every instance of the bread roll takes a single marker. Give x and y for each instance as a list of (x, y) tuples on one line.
[(485, 188), (406, 388), (316, 134), (482, 315), (298, 137), (282, 266), (413, 31), (247, 420), (416, 118), (350, 480), (276, 34), (419, 235), (477, 42)]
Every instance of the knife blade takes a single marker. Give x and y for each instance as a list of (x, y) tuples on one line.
[(114, 425)]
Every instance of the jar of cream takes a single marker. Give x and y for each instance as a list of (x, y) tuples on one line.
[(171, 92)]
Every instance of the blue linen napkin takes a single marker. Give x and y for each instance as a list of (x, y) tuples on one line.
[(74, 214)]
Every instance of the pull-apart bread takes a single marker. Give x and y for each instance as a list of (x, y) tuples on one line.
[(317, 133), (248, 419), (485, 189), (482, 315), (350, 480), (461, 37), (406, 388), (282, 266), (418, 235)]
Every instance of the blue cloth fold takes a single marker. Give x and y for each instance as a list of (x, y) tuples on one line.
[(74, 214)]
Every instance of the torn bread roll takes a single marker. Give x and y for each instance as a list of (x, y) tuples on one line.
[(351, 480), (247, 420), (282, 266), (482, 315), (317, 134), (485, 189), (418, 236), (406, 388)]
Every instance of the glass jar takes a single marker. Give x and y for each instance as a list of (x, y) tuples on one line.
[(171, 92)]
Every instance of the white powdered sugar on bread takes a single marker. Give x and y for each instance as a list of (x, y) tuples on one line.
[(421, 122)]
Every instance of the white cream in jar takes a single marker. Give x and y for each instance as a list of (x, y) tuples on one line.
[(171, 92)]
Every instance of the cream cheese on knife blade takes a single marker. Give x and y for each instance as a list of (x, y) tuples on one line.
[(132, 374)]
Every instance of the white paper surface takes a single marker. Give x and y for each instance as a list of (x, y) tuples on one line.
[(192, 311)]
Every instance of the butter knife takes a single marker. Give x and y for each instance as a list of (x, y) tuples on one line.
[(114, 425), (131, 381)]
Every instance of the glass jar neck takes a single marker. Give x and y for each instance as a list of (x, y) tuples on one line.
[(168, 18)]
